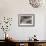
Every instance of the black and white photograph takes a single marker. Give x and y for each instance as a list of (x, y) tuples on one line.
[(26, 19), (22, 22)]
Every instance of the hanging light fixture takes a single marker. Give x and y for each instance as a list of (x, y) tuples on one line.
[(35, 3)]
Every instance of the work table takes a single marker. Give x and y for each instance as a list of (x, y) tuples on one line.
[(24, 42)]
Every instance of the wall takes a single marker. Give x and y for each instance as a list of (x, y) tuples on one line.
[(11, 8)]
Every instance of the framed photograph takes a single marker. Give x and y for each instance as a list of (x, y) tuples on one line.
[(26, 19)]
